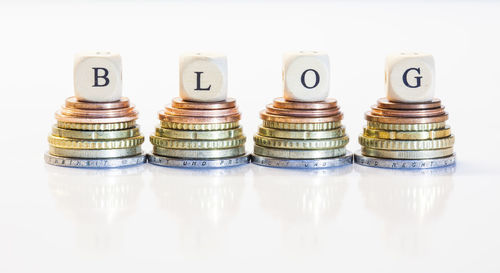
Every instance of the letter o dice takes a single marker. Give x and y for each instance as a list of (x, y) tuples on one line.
[(98, 76), (203, 77), (306, 76), (410, 77)]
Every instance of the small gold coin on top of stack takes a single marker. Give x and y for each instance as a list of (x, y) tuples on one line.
[(407, 130), (201, 128), (97, 127), (303, 129)]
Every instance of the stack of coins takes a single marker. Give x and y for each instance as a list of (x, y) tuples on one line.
[(201, 129), (406, 133), (303, 129), (91, 134)]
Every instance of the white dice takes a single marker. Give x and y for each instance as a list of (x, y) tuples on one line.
[(306, 76), (203, 77), (410, 77), (98, 76)]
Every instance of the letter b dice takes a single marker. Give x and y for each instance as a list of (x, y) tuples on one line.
[(203, 77), (306, 76), (410, 77), (98, 76)]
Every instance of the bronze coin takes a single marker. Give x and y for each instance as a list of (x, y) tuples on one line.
[(109, 113), (201, 113), (289, 119), (408, 113), (396, 120), (182, 104), (386, 104), (270, 109), (320, 105), (73, 102), (63, 118), (199, 120)]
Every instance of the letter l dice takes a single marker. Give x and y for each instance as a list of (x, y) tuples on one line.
[(98, 76)]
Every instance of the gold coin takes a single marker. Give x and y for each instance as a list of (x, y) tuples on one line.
[(217, 153), (269, 132), (78, 153), (422, 154), (385, 144), (317, 144), (95, 135), (69, 143), (203, 135), (407, 135), (301, 126), (298, 154), (173, 143), (406, 127), (198, 126), (95, 126)]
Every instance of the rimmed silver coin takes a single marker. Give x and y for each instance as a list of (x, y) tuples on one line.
[(303, 163), (95, 163), (198, 163), (404, 163)]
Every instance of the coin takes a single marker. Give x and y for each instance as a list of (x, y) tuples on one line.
[(182, 104), (65, 118), (406, 127), (95, 135), (270, 109), (370, 117), (421, 154), (269, 132), (198, 163), (386, 104), (303, 163), (284, 104), (200, 119), (201, 113), (385, 144), (198, 126), (96, 126), (275, 118), (404, 163), (185, 154), (298, 154), (196, 144), (407, 135), (73, 102), (109, 153), (69, 143), (110, 113), (301, 126), (316, 144), (94, 163), (408, 113), (203, 135)]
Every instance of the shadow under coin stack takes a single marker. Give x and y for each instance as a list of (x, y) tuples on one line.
[(303, 129), (407, 134), (200, 130), (96, 134)]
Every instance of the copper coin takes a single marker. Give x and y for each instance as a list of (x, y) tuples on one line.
[(201, 113), (63, 118), (284, 104), (199, 120), (73, 102), (182, 104), (408, 113), (395, 120), (275, 118), (270, 109), (110, 113), (386, 104)]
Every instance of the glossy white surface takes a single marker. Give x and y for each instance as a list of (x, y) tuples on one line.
[(250, 219)]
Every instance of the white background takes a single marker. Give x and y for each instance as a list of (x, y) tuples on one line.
[(249, 219)]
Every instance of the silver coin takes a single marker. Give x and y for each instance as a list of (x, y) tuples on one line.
[(198, 163), (404, 163), (303, 163), (94, 163)]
